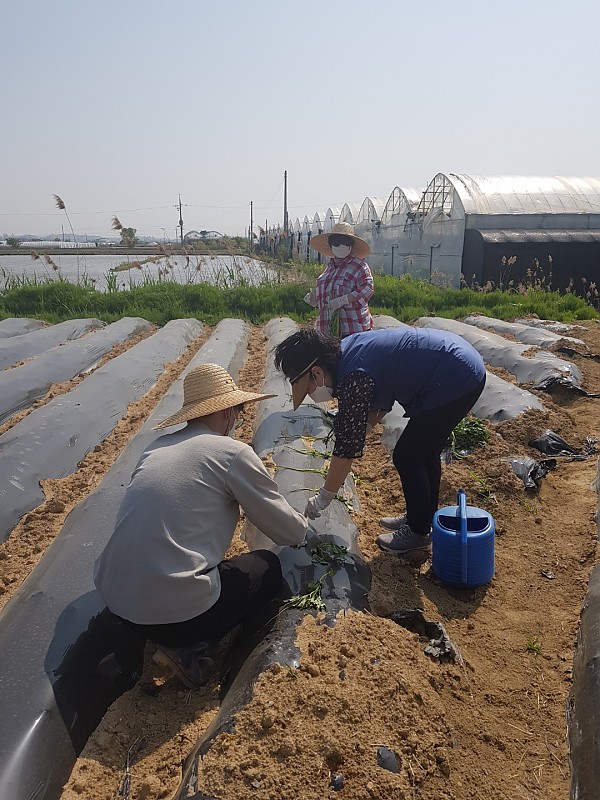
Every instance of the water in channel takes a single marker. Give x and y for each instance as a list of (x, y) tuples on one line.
[(104, 271)]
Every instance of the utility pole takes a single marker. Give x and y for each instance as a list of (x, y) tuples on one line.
[(180, 223), (251, 228), (285, 210)]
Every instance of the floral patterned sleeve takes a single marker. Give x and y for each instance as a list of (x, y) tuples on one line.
[(355, 394)]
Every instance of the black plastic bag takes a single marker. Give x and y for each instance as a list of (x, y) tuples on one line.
[(529, 470), (552, 444)]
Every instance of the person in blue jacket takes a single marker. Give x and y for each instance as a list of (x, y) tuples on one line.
[(436, 376)]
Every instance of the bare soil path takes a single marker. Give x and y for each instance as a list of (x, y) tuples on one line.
[(491, 728)]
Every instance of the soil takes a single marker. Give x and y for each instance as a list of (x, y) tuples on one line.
[(490, 724)]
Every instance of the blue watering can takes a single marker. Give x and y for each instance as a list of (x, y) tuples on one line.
[(463, 544)]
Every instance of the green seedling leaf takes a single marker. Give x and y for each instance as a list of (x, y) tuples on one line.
[(485, 491), (328, 554), (306, 469), (311, 598), (469, 434), (311, 452), (292, 671)]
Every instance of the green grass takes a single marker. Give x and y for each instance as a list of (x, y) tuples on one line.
[(159, 300), (534, 645)]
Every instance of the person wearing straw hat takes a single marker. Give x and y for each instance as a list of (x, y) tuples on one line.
[(434, 375), (163, 569), (345, 287)]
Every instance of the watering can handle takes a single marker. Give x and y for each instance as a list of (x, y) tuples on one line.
[(462, 510)]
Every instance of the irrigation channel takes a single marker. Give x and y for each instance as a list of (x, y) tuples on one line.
[(123, 272), (62, 664)]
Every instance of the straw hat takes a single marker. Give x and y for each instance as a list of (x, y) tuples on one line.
[(320, 243), (206, 389)]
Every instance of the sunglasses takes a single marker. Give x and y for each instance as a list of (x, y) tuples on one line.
[(336, 239)]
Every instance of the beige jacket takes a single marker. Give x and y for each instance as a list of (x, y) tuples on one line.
[(177, 520)]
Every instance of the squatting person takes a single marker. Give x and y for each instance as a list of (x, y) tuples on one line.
[(163, 570)]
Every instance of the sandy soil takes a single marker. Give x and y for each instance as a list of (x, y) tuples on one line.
[(491, 727)]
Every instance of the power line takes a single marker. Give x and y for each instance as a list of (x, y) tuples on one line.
[(264, 208)]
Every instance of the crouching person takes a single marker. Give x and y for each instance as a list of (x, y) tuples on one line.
[(163, 569)]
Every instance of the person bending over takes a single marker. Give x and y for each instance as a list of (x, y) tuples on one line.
[(436, 376)]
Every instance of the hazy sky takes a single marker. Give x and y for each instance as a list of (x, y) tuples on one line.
[(120, 107)]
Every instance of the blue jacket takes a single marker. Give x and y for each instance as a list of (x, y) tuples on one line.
[(420, 368)]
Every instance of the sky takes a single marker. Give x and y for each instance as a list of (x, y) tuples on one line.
[(121, 108)]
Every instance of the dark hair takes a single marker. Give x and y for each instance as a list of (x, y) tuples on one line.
[(295, 353)]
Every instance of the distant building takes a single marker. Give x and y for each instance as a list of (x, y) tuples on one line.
[(44, 244), (202, 236)]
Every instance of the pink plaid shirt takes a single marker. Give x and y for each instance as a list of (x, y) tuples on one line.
[(345, 276)]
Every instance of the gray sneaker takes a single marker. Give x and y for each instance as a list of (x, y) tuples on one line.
[(403, 540), (190, 664), (392, 523)]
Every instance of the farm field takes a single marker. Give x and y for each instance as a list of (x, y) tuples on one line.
[(492, 726)]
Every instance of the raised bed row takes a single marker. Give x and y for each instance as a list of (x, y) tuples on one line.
[(57, 681)]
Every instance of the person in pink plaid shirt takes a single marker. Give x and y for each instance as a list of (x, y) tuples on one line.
[(345, 287)]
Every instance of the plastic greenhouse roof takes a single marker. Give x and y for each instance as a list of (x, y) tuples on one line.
[(371, 209), (352, 208), (408, 196), (378, 204), (519, 194), (412, 194)]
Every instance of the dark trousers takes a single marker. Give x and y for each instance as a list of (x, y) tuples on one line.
[(417, 457), (248, 581)]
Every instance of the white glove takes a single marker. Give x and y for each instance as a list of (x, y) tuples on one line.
[(318, 503), (311, 299), (338, 302)]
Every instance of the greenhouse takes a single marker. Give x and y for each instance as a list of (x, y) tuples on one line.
[(349, 213), (331, 217), (368, 219), (494, 230), (477, 230), (305, 234), (386, 254)]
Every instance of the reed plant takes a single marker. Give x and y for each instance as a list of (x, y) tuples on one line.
[(60, 204)]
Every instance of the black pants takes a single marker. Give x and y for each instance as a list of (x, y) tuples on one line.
[(417, 457), (248, 581)]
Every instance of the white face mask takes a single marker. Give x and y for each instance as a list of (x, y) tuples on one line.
[(341, 251), (321, 394)]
